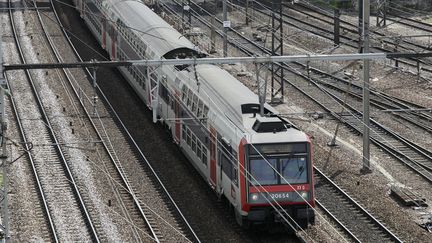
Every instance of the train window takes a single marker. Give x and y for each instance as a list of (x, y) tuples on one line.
[(204, 155), (206, 110), (188, 137), (189, 98), (226, 164), (184, 131), (199, 151), (184, 92), (205, 114), (293, 170), (263, 171), (194, 143), (234, 177), (200, 109), (163, 93), (194, 103)]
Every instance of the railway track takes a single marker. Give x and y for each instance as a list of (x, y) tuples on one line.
[(422, 117), (321, 75), (407, 152), (355, 221), (415, 114), (383, 233), (144, 222), (350, 38), (160, 228), (397, 16), (67, 214)]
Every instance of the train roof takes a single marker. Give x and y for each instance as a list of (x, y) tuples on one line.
[(238, 103), (228, 93), (159, 35)]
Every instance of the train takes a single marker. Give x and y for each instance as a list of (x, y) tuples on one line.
[(261, 165)]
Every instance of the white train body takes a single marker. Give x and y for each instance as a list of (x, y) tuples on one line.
[(211, 115)]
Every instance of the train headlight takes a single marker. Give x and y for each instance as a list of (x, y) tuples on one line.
[(254, 196), (304, 194)]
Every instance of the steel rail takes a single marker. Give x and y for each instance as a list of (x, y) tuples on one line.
[(422, 115), (119, 171), (419, 167), (53, 136), (90, 74), (384, 229), (384, 104), (353, 40), (81, 201), (355, 30), (376, 222), (427, 27), (21, 130), (338, 222)]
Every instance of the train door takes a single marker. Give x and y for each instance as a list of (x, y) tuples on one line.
[(213, 141)]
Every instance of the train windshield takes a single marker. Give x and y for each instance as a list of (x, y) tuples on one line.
[(279, 167), (293, 170), (262, 172)]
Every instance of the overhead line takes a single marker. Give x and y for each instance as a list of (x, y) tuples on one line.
[(194, 61)]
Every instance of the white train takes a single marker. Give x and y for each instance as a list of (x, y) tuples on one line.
[(211, 115)]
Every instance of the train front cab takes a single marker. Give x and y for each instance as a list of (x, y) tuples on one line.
[(264, 186)]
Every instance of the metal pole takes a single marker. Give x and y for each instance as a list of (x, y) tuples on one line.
[(3, 125), (182, 17), (366, 67), (247, 11), (94, 91), (225, 28), (262, 87), (189, 15), (213, 34), (336, 27), (360, 27)]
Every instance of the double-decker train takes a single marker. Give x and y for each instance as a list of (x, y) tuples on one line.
[(262, 165)]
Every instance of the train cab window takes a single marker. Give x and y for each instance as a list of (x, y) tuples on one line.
[(263, 172), (293, 170)]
